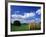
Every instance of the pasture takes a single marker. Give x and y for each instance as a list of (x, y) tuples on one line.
[(25, 27)]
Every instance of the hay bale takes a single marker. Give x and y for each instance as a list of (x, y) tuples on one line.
[(17, 23)]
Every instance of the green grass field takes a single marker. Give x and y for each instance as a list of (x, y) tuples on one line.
[(24, 27), (20, 28)]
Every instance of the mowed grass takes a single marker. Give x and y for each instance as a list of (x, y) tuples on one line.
[(25, 27), (20, 28)]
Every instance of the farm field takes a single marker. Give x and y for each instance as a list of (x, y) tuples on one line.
[(25, 27), (25, 18)]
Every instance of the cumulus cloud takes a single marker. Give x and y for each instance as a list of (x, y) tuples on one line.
[(37, 20), (16, 16), (26, 15), (29, 14), (38, 11), (22, 17)]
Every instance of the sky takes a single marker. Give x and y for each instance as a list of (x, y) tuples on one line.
[(25, 14)]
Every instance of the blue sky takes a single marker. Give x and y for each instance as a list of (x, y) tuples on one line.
[(25, 14)]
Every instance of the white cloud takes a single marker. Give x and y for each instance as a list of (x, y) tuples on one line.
[(28, 21), (16, 16), (38, 11), (29, 14), (32, 20), (38, 20), (22, 17), (26, 15)]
